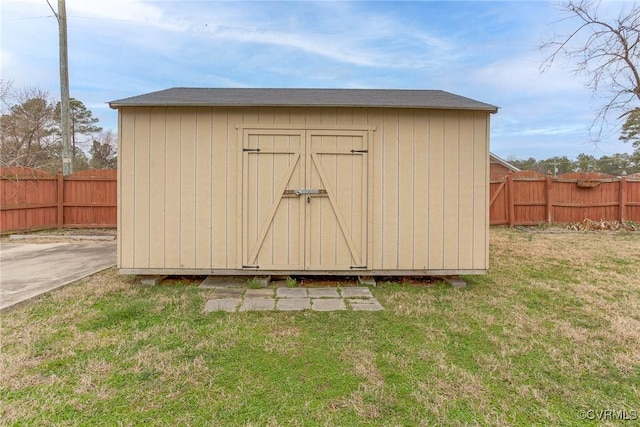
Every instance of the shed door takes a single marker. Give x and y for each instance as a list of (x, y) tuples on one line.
[(336, 219), (273, 167), (304, 200)]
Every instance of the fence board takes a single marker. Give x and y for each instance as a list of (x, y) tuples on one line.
[(530, 198), (31, 199)]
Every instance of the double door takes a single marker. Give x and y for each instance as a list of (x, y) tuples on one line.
[(304, 199)]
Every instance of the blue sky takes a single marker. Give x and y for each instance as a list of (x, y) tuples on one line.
[(486, 50)]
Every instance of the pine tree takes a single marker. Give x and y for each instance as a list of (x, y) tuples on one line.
[(631, 129), (83, 122)]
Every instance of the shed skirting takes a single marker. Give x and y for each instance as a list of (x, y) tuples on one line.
[(227, 272)]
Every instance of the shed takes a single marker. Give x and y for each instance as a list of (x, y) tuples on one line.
[(303, 181)]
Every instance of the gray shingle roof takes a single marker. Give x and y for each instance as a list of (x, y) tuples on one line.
[(392, 98)]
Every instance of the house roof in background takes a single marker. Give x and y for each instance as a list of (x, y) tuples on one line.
[(244, 97), (503, 162)]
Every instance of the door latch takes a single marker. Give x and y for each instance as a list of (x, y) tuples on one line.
[(300, 192)]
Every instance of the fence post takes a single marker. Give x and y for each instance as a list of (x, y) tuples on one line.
[(623, 196), (547, 188), (60, 199), (510, 200)]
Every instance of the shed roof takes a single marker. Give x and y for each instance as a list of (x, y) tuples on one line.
[(244, 97)]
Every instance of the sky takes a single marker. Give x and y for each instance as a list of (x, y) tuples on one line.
[(485, 50)]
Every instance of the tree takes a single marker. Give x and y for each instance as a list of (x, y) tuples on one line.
[(82, 123), (607, 53), (631, 129), (27, 131), (586, 163), (103, 151), (556, 165), (529, 164)]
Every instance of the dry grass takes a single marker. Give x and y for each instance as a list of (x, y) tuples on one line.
[(554, 328)]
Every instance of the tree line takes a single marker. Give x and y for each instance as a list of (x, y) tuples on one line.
[(615, 164), (30, 132)]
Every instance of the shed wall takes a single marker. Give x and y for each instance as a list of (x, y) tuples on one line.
[(180, 201)]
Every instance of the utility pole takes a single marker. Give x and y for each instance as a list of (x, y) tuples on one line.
[(65, 115)]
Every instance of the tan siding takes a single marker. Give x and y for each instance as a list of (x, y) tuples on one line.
[(405, 208), (219, 194), (141, 188), (436, 190), (234, 188), (187, 189), (157, 177), (203, 202), (466, 197), (126, 170), (173, 198), (421, 191), (451, 189), (390, 195), (376, 159), (481, 185)]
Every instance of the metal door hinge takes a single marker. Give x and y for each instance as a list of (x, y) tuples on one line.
[(358, 267), (251, 266), (359, 151), (257, 150)]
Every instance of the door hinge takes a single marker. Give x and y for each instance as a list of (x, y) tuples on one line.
[(251, 149), (359, 151), (358, 267), (251, 266)]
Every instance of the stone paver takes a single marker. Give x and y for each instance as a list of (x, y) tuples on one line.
[(323, 293), (293, 304), (259, 293), (227, 292), (327, 304), (292, 299), (222, 304), (291, 293), (258, 304), (358, 291), (224, 281), (362, 304)]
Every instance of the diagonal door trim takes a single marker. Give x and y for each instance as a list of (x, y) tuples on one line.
[(334, 204), (269, 218)]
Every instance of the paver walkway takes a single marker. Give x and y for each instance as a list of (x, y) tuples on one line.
[(233, 299)]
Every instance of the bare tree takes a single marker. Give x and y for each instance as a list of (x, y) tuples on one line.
[(27, 130), (607, 52)]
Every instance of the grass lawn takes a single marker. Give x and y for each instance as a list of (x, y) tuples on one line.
[(552, 330)]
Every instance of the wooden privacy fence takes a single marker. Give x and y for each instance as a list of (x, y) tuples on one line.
[(530, 198), (31, 199)]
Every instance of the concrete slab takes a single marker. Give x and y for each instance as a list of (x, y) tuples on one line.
[(31, 269), (327, 304), (455, 281), (227, 293), (323, 292), (223, 282), (258, 304), (151, 280), (370, 304), (293, 304), (367, 281), (358, 291), (259, 293), (222, 304), (291, 292), (262, 281)]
